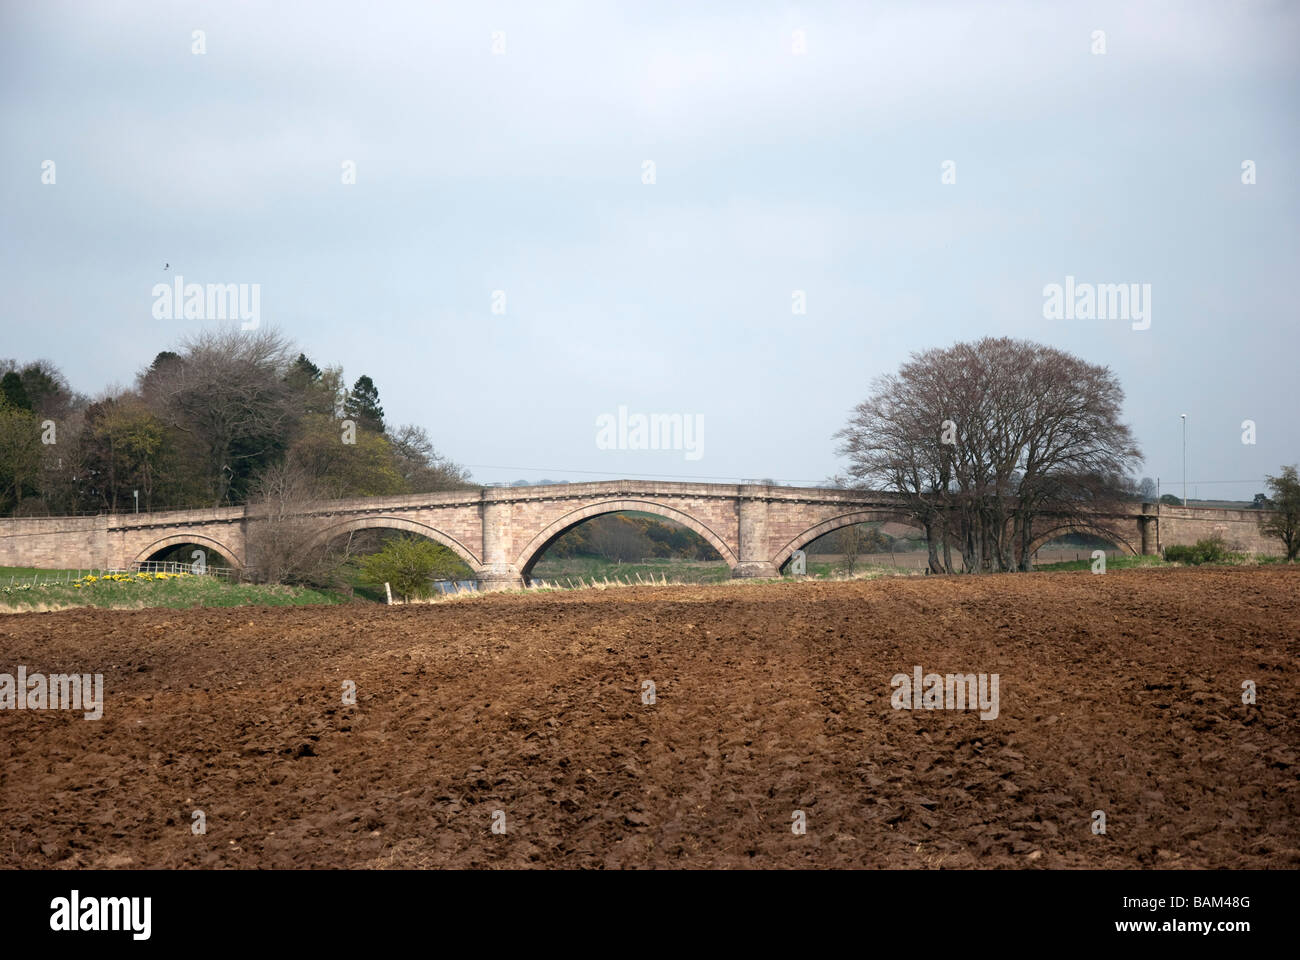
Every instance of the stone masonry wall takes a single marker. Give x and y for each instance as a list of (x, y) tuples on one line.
[(500, 531)]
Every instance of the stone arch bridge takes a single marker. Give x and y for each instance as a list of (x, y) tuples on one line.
[(500, 532)]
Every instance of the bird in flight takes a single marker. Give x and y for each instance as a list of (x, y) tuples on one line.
[(166, 265)]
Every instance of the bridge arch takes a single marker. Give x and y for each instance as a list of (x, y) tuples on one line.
[(398, 523), (1091, 529), (181, 539), (874, 515), (538, 544)]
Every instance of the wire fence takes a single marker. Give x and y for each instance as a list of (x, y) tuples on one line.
[(168, 566), (45, 578)]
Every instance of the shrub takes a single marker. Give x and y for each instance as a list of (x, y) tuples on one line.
[(1209, 550), (407, 564)]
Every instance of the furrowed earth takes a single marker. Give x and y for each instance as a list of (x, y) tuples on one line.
[(1120, 693)]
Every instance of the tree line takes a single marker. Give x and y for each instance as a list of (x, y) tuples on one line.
[(220, 420)]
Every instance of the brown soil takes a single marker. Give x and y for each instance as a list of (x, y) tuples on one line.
[(1119, 693)]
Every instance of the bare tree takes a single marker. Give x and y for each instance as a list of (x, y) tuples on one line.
[(984, 438), (421, 466), (1076, 450), (227, 391), (849, 546), (284, 529)]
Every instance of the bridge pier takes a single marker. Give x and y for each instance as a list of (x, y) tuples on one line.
[(753, 544), (497, 572), (499, 578), (1149, 527)]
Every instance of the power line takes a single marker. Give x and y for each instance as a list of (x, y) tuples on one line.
[(1225, 481)]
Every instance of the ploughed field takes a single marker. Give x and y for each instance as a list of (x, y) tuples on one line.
[(1120, 693)]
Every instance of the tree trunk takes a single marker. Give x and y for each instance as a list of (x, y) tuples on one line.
[(932, 547)]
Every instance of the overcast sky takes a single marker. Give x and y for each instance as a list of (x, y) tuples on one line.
[(775, 172)]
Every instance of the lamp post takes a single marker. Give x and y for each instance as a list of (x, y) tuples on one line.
[(1184, 416)]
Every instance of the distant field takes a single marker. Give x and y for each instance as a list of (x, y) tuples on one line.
[(12, 576), (177, 592), (1048, 558), (1121, 562), (675, 571)]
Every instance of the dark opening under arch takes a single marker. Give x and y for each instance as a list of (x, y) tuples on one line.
[(536, 548)]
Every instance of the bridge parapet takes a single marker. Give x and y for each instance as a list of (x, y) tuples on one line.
[(167, 518)]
